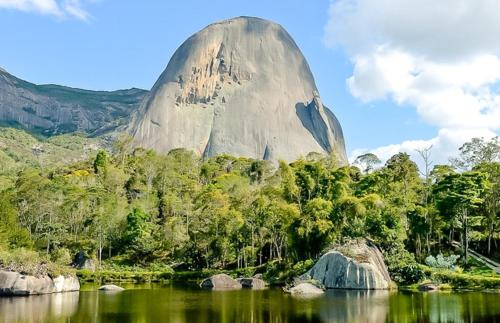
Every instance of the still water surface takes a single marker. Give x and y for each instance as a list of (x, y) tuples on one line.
[(180, 303)]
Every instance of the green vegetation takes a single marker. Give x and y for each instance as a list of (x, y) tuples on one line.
[(137, 212)]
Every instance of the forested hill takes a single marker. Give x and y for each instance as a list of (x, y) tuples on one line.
[(138, 207)]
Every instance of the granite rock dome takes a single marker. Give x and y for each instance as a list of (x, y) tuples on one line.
[(241, 87)]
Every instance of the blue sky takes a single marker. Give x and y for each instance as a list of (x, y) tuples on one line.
[(360, 65)]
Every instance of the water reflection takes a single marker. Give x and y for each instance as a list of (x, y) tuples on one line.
[(355, 306), (42, 308), (172, 303)]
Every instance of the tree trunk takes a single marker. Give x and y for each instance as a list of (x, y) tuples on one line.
[(100, 250), (490, 234), (465, 237)]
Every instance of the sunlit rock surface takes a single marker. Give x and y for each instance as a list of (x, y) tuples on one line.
[(305, 289), (220, 282), (241, 87), (53, 109), (16, 284), (357, 265)]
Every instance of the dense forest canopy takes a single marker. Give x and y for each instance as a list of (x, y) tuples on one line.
[(134, 206)]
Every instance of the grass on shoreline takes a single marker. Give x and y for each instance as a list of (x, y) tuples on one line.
[(146, 275)]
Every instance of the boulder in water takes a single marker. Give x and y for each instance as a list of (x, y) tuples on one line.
[(305, 289), (356, 265), (220, 281), (252, 283), (111, 288)]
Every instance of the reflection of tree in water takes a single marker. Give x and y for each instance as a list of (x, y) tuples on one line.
[(354, 306), (444, 307), (41, 308), (155, 303)]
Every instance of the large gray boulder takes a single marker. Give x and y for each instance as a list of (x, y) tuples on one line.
[(356, 265), (14, 284), (252, 283), (220, 282), (240, 87)]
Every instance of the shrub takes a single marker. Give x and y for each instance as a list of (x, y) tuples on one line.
[(29, 262), (460, 280), (61, 256), (403, 268), (441, 261)]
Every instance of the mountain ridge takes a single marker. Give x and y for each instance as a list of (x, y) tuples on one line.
[(51, 109)]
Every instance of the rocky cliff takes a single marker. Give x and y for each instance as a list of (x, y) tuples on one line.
[(241, 87), (53, 109)]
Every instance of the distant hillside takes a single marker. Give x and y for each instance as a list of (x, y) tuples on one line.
[(52, 109), (19, 149)]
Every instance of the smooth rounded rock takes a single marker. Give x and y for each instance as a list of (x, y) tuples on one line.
[(305, 289), (111, 288), (355, 265), (252, 283), (220, 282)]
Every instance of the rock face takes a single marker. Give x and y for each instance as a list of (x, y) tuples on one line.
[(16, 284), (240, 87), (53, 109), (357, 265), (220, 281), (81, 261)]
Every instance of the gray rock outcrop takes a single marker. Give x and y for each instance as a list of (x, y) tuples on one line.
[(53, 109), (220, 282), (81, 261), (241, 87), (16, 284), (357, 265)]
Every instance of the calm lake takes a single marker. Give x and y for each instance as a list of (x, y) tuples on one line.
[(180, 303)]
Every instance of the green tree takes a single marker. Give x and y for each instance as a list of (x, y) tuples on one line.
[(367, 162), (491, 205), (477, 151), (138, 237), (462, 194), (314, 227), (101, 162)]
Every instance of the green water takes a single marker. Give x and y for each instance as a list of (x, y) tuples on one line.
[(176, 303)]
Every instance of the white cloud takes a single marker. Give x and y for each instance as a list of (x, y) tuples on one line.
[(442, 57), (74, 8), (444, 146), (59, 9)]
